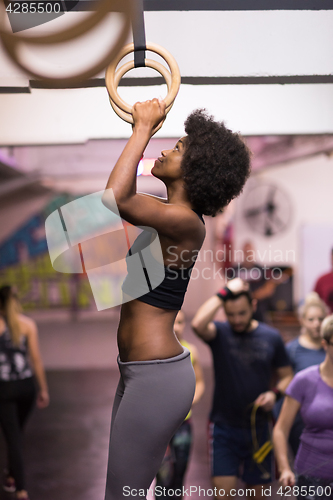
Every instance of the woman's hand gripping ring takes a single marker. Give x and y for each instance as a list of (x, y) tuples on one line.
[(113, 77)]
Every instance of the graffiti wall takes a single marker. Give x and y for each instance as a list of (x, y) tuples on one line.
[(25, 263)]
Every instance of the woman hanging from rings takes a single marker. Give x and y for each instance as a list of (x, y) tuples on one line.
[(204, 171)]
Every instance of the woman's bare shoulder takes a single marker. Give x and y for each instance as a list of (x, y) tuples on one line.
[(188, 222), (28, 325)]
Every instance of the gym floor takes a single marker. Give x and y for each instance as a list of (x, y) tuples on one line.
[(66, 444)]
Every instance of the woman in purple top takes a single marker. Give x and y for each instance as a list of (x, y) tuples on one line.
[(304, 351), (311, 392)]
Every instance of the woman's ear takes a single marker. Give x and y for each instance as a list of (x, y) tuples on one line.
[(324, 344)]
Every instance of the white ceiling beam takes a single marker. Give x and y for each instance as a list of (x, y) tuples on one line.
[(74, 116)]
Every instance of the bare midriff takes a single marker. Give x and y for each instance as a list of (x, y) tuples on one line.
[(146, 332)]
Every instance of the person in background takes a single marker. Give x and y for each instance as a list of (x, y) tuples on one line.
[(260, 278), (172, 471), (324, 286), (246, 354), (307, 350), (311, 392), (304, 351), (18, 347)]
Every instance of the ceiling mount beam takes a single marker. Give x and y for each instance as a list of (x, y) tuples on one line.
[(160, 5)]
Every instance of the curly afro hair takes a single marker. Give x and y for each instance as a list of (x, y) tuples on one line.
[(216, 163)]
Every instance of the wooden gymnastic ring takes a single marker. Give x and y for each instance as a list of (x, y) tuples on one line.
[(11, 42), (150, 63), (169, 59)]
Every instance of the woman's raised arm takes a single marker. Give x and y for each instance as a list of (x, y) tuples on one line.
[(122, 179), (170, 219)]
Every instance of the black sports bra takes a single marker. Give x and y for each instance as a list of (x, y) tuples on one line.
[(149, 281)]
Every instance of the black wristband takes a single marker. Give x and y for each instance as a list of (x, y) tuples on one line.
[(225, 293), (277, 393)]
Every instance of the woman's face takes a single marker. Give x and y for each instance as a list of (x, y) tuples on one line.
[(312, 321), (168, 165)]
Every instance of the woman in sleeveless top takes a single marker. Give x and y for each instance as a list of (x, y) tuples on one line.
[(204, 171), (18, 347)]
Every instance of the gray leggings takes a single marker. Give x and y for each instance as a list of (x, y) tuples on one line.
[(152, 400)]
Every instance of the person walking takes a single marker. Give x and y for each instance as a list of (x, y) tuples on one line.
[(20, 368)]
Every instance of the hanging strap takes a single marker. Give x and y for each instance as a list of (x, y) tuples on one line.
[(139, 35)]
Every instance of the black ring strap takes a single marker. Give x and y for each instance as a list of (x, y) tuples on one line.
[(139, 35)]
